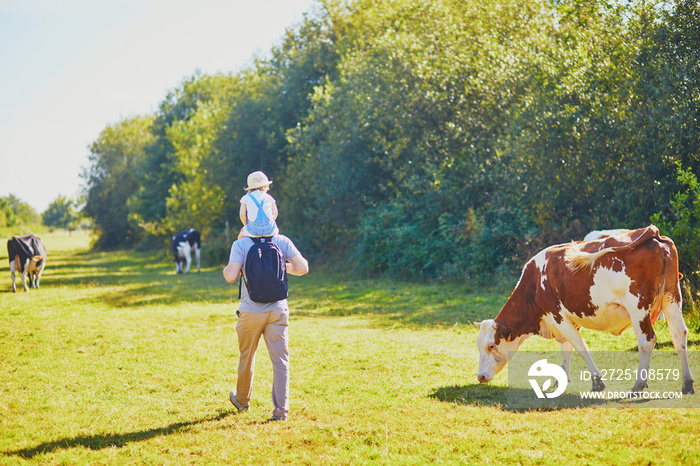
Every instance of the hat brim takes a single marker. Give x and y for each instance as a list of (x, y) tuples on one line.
[(257, 187)]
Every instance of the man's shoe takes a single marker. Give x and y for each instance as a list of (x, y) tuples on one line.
[(234, 402), (277, 417)]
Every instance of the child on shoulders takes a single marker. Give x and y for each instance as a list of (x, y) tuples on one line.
[(258, 209)]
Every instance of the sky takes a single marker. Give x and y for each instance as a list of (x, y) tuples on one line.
[(70, 68)]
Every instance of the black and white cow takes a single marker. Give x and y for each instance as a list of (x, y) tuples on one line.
[(27, 255), (183, 245)]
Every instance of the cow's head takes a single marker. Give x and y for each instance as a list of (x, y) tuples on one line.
[(495, 343)]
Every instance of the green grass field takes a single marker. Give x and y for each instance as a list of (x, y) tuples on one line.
[(118, 360)]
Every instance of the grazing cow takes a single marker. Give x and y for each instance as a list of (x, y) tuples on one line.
[(600, 234), (182, 246), (27, 255), (607, 285)]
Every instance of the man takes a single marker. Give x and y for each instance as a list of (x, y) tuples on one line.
[(268, 320)]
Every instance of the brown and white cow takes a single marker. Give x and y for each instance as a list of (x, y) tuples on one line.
[(611, 284), (600, 234)]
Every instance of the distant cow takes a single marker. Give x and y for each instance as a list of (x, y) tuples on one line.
[(27, 255), (607, 285), (600, 234), (183, 245)]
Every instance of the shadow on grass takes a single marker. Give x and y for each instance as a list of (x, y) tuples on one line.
[(390, 303), (157, 288), (669, 345), (142, 290), (149, 278), (142, 279), (100, 441), (522, 400), (475, 394)]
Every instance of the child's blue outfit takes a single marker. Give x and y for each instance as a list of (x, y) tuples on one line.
[(261, 220)]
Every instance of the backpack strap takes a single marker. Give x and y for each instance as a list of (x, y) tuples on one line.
[(240, 283)]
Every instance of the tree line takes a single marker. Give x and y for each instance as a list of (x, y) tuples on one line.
[(426, 138), (18, 217)]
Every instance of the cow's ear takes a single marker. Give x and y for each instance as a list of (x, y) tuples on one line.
[(477, 324)]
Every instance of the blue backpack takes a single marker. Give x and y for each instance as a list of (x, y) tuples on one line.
[(265, 272)]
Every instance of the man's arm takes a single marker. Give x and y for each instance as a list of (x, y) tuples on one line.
[(297, 265), (232, 271)]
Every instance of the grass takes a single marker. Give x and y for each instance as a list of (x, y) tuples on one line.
[(118, 360)]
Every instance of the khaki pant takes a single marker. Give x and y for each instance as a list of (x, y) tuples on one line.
[(273, 327)]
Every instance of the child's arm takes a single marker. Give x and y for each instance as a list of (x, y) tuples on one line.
[(242, 214), (274, 211)]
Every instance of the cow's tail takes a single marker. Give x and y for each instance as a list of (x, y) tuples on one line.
[(577, 260)]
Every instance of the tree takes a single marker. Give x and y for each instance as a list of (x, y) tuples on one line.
[(7, 215), (61, 214), (195, 201), (460, 135), (408, 136), (110, 180), (159, 168), (24, 212), (268, 100)]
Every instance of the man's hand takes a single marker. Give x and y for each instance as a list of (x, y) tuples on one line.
[(298, 265)]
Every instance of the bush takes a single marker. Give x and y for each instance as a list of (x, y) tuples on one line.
[(681, 219)]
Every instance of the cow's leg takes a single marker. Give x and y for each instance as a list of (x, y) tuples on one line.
[(567, 350), (178, 260), (12, 272), (188, 259), (22, 267), (646, 339), (197, 256), (31, 269), (38, 274), (570, 332), (679, 335), (25, 279)]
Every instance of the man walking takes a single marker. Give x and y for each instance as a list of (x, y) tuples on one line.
[(269, 320)]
